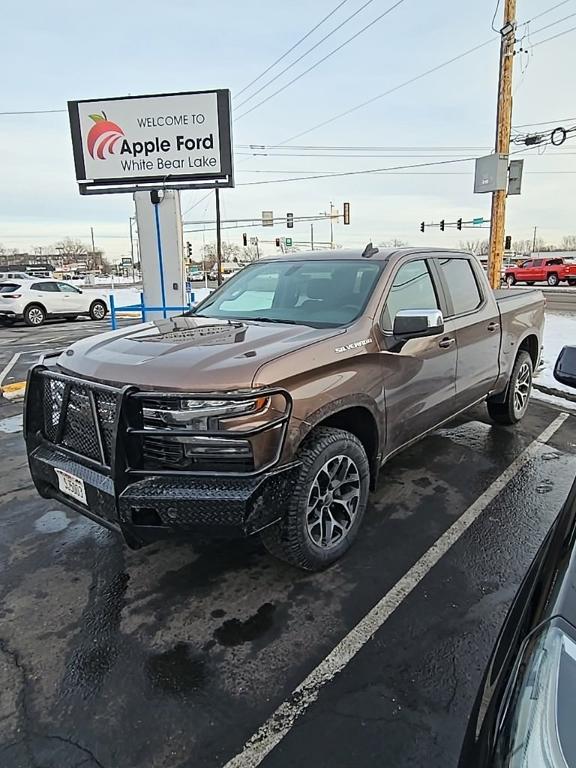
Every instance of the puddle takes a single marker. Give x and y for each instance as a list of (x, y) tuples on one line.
[(236, 632), (176, 670), (52, 522), (12, 424)]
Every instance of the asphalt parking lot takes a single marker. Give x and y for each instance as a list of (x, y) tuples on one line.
[(213, 654)]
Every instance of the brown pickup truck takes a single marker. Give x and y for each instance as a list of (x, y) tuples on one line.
[(273, 405)]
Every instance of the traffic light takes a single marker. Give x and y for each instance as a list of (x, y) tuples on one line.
[(442, 226), (290, 220), (244, 239), (508, 243), (189, 250), (422, 226), (277, 242), (459, 224), (346, 213)]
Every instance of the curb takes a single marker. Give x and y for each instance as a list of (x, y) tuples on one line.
[(14, 391)]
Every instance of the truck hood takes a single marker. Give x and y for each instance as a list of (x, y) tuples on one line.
[(188, 353)]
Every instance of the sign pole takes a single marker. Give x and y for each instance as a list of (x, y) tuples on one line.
[(503, 126), (218, 238)]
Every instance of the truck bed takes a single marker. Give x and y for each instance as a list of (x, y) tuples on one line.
[(519, 309)]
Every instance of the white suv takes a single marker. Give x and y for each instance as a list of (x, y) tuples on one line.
[(34, 300)]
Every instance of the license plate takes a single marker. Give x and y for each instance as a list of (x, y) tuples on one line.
[(71, 485)]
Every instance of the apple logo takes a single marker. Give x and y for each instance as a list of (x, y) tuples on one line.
[(102, 136)]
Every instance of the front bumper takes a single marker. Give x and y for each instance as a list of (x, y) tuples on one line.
[(143, 505)]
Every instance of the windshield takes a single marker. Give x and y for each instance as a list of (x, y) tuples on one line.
[(317, 293)]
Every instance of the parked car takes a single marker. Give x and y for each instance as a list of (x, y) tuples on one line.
[(523, 716), (271, 406), (196, 277), (553, 271), (15, 276), (36, 300)]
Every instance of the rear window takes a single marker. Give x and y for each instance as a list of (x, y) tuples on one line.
[(8, 287), (462, 285)]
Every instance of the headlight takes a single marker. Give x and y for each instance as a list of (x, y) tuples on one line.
[(538, 730), (199, 415)]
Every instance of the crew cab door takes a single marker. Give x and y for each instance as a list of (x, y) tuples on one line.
[(474, 320), (419, 375)]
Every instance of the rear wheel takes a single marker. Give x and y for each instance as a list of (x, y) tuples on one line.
[(511, 279), (326, 508), (514, 406), (98, 310), (571, 281), (34, 315), (530, 282), (552, 279)]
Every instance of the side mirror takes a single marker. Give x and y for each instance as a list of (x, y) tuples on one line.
[(565, 368), (418, 323)]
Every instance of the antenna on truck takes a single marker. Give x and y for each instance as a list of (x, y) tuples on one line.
[(369, 251)]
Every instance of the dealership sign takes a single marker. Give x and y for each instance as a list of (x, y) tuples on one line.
[(168, 141)]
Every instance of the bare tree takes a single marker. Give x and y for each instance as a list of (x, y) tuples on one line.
[(394, 243), (230, 252), (70, 247), (249, 253), (568, 243)]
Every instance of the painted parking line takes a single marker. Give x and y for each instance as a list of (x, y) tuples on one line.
[(8, 367), (271, 733)]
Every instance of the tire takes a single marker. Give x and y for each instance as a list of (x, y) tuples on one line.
[(571, 281), (530, 282), (98, 310), (514, 406), (7, 320), (511, 279), (301, 537), (552, 280), (34, 315)]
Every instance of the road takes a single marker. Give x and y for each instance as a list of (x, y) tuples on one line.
[(559, 299), (175, 655)]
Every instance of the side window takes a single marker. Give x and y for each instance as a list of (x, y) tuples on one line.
[(462, 285), (526, 265), (412, 289), (537, 263), (65, 288), (44, 287)]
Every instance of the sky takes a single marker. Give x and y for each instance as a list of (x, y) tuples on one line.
[(53, 52)]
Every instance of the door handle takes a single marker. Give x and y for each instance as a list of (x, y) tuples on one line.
[(446, 342), (493, 326)]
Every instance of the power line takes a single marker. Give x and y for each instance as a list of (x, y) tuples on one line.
[(320, 61), (389, 91), (547, 122), (552, 24), (412, 80), (548, 10), (548, 39), (334, 147), (280, 58), (313, 48), (34, 112)]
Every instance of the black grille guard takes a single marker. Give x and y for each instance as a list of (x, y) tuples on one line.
[(120, 440)]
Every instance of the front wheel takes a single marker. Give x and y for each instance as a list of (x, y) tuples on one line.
[(325, 510), (552, 279), (514, 406), (98, 310), (511, 280)]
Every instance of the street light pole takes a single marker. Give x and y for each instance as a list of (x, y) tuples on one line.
[(534, 241), (331, 228), (311, 236)]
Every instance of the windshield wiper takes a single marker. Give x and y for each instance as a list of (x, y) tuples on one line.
[(274, 320)]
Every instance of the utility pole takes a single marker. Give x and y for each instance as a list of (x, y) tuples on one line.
[(503, 126), (534, 241), (311, 236)]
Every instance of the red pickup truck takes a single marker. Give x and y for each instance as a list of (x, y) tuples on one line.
[(553, 271)]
